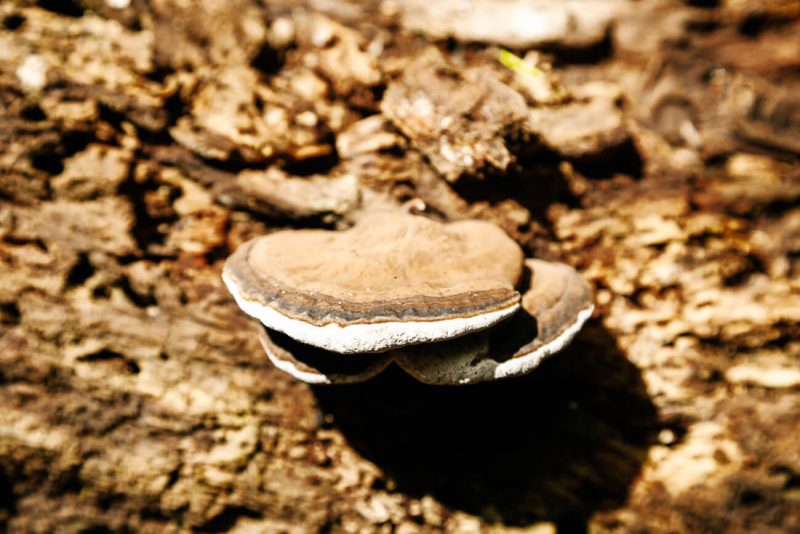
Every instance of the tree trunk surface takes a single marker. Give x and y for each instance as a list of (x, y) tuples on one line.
[(652, 145)]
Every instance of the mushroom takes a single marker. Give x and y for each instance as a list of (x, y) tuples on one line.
[(392, 280), (554, 308), (438, 300)]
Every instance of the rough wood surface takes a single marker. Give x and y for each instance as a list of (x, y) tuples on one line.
[(141, 142)]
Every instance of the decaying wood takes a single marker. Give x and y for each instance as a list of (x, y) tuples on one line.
[(655, 150)]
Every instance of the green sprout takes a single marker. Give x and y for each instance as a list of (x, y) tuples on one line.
[(517, 64)]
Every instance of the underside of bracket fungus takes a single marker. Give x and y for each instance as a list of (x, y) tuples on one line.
[(442, 301)]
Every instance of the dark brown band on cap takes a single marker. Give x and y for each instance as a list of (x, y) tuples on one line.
[(320, 309)]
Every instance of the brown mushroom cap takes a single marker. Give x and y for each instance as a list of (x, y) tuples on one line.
[(554, 308), (392, 280)]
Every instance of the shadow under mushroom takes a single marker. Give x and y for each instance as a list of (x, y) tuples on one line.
[(558, 444)]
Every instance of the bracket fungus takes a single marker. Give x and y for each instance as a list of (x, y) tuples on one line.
[(450, 303)]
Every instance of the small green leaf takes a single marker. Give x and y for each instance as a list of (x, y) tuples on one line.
[(516, 63)]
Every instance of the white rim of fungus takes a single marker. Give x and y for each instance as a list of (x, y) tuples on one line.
[(366, 337), (524, 364), (291, 369)]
